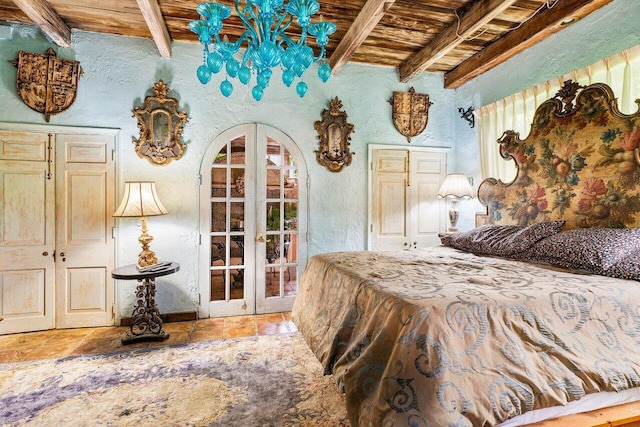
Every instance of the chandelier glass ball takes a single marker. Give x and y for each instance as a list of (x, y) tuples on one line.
[(265, 43)]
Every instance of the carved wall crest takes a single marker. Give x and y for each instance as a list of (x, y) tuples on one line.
[(160, 125), (334, 134), (46, 83), (410, 112)]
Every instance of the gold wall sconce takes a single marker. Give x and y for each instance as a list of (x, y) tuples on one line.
[(160, 125), (334, 133)]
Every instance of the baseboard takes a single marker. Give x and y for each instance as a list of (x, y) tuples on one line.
[(167, 318)]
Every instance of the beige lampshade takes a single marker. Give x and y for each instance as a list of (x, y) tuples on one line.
[(456, 185), (140, 199)]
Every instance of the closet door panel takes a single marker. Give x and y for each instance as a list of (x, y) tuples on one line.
[(390, 200), (427, 213), (392, 193), (27, 233), (404, 210), (85, 204)]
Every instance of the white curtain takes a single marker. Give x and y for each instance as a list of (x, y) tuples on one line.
[(621, 72)]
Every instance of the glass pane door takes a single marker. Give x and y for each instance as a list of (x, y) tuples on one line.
[(227, 222), (230, 271), (254, 219), (281, 218), (279, 212)]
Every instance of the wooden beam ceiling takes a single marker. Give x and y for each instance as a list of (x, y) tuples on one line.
[(412, 35), (158, 28), (41, 12), (364, 23), (545, 23), (473, 20)]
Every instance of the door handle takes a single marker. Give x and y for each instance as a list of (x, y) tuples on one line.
[(62, 254), (263, 239), (45, 253)]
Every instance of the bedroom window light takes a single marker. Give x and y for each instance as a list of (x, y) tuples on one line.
[(455, 186)]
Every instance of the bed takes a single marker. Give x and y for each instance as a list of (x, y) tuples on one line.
[(502, 324)]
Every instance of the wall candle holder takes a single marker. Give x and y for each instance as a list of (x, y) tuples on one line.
[(334, 133), (468, 116), (160, 123)]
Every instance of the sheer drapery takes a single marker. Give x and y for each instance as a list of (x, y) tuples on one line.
[(515, 112)]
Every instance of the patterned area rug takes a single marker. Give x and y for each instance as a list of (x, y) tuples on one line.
[(258, 381)]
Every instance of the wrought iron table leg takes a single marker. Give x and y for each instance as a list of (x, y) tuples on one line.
[(146, 324)]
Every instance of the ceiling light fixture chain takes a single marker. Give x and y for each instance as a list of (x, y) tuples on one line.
[(549, 4), (265, 42)]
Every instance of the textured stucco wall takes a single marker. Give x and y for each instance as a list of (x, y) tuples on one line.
[(607, 31), (119, 72)]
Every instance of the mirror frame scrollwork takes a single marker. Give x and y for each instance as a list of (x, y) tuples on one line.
[(160, 125), (334, 133)]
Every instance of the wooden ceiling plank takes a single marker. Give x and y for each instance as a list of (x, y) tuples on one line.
[(364, 23), (530, 33), (43, 15), (478, 15), (158, 28)]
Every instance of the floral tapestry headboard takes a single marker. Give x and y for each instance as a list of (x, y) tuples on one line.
[(580, 163)]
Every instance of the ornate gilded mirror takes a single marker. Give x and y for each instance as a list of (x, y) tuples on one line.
[(160, 125), (334, 134)]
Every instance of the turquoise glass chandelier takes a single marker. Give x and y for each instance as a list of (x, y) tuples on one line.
[(265, 42)]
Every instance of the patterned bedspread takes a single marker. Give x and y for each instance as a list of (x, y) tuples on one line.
[(440, 337)]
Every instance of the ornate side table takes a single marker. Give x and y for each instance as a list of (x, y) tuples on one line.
[(146, 324)]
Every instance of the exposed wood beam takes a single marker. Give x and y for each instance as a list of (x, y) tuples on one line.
[(533, 31), (473, 20), (41, 12), (158, 28), (371, 13)]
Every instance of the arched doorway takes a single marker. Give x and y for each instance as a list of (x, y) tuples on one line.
[(253, 201)]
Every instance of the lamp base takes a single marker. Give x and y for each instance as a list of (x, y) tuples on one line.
[(453, 216), (146, 257)]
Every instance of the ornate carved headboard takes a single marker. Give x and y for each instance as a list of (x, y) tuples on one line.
[(580, 163)]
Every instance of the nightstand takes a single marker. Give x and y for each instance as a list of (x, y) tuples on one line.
[(146, 324)]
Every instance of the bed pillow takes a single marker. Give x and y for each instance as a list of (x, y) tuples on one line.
[(597, 250), (627, 268), (502, 240)]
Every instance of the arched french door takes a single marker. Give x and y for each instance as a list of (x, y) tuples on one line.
[(253, 223)]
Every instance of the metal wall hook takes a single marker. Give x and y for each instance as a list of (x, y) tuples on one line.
[(468, 115)]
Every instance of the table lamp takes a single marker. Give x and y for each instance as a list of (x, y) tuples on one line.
[(141, 200), (455, 186)]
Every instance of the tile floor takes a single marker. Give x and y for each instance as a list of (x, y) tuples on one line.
[(66, 342)]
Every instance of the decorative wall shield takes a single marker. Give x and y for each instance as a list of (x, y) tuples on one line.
[(160, 125), (334, 134), (410, 112), (46, 83)]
